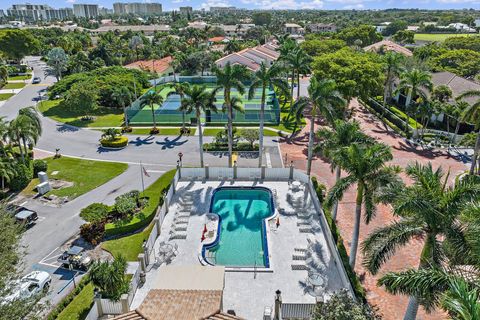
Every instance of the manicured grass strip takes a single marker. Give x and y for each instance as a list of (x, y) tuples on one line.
[(86, 175), (14, 85), (439, 37), (24, 77), (130, 246), (80, 305), (5, 96), (211, 132), (103, 117), (140, 220), (163, 131)]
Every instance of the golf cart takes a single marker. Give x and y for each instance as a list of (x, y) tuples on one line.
[(26, 217), (75, 258)]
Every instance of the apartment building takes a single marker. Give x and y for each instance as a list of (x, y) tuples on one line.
[(38, 12), (138, 8), (85, 10)]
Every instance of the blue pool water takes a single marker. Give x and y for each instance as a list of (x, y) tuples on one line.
[(242, 240)]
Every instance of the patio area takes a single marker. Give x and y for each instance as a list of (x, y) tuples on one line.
[(302, 264)]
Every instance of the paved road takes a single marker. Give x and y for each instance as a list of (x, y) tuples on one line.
[(57, 225)]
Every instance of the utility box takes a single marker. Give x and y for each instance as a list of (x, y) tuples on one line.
[(43, 187), (42, 176)]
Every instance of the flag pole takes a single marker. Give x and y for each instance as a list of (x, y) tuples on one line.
[(141, 174)]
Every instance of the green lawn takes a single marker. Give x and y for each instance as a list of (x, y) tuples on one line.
[(211, 131), (80, 305), (163, 131), (439, 37), (85, 174), (5, 96), (130, 246), (14, 85), (25, 77), (103, 117)]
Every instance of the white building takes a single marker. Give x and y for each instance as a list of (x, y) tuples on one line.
[(477, 23), (85, 10), (461, 27), (293, 29), (236, 30), (139, 8), (37, 12), (321, 27)]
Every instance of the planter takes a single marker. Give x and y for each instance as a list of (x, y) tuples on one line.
[(114, 144)]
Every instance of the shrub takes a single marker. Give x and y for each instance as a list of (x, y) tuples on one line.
[(39, 165), (118, 142), (95, 212), (68, 299), (125, 204), (93, 232), (23, 176), (319, 188), (242, 146), (469, 139), (251, 135)]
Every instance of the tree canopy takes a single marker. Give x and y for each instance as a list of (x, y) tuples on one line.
[(16, 44)]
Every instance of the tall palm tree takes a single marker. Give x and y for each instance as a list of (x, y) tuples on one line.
[(366, 167), (25, 129), (263, 79), (299, 62), (122, 96), (152, 98), (323, 99), (180, 88), (199, 99), (415, 83), (7, 172), (393, 66), (459, 113), (3, 74), (110, 278), (429, 210), (472, 114), (228, 78), (333, 141)]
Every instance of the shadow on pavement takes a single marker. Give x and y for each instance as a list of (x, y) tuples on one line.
[(170, 144)]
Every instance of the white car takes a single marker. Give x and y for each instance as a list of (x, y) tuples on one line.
[(29, 286)]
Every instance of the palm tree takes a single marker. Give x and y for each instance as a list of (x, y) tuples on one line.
[(415, 83), (323, 99), (265, 78), (472, 114), (110, 278), (152, 98), (228, 78), (333, 141), (135, 43), (122, 96), (460, 107), (7, 171), (199, 99), (25, 129), (299, 62), (180, 88), (365, 166), (393, 63), (429, 210)]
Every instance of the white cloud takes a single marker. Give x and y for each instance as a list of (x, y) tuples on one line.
[(214, 3), (177, 1), (357, 6), (290, 4), (70, 1), (458, 1)]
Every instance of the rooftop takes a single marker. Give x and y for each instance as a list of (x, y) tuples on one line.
[(251, 57), (159, 66), (388, 45)]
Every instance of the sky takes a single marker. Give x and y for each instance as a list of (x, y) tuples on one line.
[(274, 4)]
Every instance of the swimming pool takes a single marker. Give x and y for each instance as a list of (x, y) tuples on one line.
[(241, 238)]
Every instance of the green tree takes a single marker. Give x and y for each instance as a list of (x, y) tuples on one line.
[(415, 84), (366, 168), (463, 62), (299, 62), (472, 115), (333, 141), (16, 44), (180, 88), (82, 98), (393, 67), (123, 97), (199, 99), (109, 278), (365, 33), (395, 27), (135, 44), (3, 74), (316, 47), (357, 74), (323, 99), (57, 59), (251, 135), (152, 98), (341, 306), (263, 79), (404, 36), (262, 18), (429, 210), (228, 78)]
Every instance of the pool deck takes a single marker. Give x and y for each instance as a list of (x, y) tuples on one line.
[(248, 293)]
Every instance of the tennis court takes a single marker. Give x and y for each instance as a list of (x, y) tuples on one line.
[(168, 112)]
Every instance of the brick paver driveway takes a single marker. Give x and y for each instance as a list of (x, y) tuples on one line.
[(392, 307)]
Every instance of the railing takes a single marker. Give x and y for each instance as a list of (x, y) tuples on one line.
[(297, 311)]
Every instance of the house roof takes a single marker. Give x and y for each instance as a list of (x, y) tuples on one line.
[(135, 28), (457, 84), (250, 57), (136, 315), (216, 39), (388, 45), (181, 304), (156, 65), (222, 316)]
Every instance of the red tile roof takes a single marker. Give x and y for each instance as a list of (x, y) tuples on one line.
[(388, 45), (157, 65), (216, 39)]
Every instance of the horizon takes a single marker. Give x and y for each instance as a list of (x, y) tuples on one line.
[(278, 5)]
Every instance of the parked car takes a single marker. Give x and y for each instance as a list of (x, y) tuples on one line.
[(26, 217), (29, 286), (36, 80), (76, 258)]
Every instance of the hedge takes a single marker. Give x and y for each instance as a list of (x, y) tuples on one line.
[(398, 121), (372, 109), (242, 146), (118, 142), (68, 298), (154, 193), (352, 276)]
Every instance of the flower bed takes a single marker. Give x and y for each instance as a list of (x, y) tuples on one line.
[(117, 143)]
